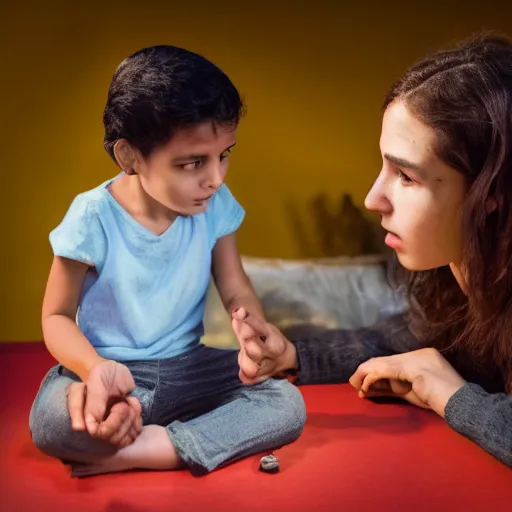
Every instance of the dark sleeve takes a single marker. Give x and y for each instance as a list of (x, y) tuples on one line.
[(485, 418), (332, 356)]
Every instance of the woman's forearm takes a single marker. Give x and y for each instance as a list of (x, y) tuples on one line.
[(485, 418), (331, 356)]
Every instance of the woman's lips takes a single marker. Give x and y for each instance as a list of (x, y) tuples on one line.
[(393, 241)]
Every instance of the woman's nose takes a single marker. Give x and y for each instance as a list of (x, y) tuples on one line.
[(377, 199)]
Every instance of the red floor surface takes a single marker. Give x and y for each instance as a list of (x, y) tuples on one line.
[(353, 455)]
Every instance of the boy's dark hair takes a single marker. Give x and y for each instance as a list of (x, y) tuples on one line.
[(161, 88)]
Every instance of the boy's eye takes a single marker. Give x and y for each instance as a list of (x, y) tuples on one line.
[(404, 178), (225, 154), (191, 166)]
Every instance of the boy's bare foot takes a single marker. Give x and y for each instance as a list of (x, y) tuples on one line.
[(151, 450)]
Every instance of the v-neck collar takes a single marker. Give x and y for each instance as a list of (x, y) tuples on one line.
[(130, 219)]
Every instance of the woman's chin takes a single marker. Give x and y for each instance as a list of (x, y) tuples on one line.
[(415, 264)]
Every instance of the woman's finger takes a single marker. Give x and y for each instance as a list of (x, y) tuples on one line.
[(357, 378), (399, 387), (368, 381)]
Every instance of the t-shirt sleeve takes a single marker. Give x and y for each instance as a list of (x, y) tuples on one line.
[(225, 214), (80, 235)]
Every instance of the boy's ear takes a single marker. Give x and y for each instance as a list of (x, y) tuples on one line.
[(125, 156)]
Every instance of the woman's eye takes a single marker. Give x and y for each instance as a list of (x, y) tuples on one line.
[(404, 178), (225, 154)]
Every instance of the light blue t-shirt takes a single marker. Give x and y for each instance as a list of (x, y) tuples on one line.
[(145, 299)]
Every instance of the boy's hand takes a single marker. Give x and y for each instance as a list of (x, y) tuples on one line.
[(264, 350), (106, 391)]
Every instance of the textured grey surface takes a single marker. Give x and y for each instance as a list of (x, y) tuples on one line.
[(332, 293)]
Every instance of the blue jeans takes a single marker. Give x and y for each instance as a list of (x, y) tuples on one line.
[(211, 417)]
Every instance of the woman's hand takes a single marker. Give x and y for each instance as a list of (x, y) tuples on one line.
[(423, 377)]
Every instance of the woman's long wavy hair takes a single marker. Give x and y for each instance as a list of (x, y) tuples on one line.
[(465, 96)]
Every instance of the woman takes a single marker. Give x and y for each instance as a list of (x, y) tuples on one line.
[(445, 197)]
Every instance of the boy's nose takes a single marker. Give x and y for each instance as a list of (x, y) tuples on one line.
[(215, 177)]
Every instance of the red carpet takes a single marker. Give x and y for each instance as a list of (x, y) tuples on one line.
[(353, 455)]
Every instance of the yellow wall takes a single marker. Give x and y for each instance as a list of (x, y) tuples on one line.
[(313, 74)]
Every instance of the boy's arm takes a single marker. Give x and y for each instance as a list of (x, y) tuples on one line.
[(106, 380), (235, 288), (62, 336)]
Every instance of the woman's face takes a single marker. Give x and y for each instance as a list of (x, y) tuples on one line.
[(417, 195)]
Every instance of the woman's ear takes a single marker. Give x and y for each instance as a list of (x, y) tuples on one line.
[(125, 156)]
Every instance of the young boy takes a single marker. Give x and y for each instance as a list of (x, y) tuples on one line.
[(123, 309)]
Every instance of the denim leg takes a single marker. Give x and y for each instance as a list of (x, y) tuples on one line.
[(218, 420), (50, 423)]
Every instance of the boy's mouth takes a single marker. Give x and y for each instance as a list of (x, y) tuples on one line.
[(202, 200)]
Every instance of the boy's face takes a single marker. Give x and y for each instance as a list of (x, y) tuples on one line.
[(185, 173)]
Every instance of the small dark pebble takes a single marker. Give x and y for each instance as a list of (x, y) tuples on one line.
[(269, 464)]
